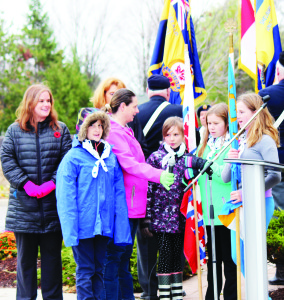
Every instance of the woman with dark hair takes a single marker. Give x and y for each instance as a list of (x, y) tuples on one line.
[(102, 96), (31, 151), (136, 172)]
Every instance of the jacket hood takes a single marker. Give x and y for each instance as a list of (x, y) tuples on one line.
[(98, 115)]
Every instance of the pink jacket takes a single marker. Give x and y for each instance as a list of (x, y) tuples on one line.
[(136, 171)]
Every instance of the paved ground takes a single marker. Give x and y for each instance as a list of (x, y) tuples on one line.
[(190, 286), (3, 211)]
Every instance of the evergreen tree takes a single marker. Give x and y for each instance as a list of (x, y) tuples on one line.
[(70, 90), (38, 41), (13, 80)]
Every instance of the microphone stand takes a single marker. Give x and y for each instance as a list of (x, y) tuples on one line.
[(210, 163)]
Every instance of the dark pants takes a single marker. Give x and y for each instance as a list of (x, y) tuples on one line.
[(118, 281), (147, 249), (89, 256), (51, 267), (223, 255), (170, 252)]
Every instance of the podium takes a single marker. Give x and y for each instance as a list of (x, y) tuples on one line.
[(255, 250)]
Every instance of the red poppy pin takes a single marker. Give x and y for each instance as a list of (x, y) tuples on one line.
[(57, 134)]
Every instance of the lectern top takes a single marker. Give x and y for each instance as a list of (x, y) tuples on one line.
[(268, 165)]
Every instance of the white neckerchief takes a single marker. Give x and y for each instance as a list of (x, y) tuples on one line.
[(242, 143), (172, 153), (216, 144), (87, 144)]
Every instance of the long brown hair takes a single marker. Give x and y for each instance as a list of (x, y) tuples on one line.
[(25, 111), (262, 124), (99, 97), (221, 111)]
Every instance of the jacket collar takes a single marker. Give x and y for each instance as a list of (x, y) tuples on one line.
[(158, 99), (117, 126)]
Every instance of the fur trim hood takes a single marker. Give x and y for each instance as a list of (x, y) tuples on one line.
[(98, 115)]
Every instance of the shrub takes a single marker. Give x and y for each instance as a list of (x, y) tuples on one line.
[(275, 238), (68, 266), (8, 247), (133, 269)]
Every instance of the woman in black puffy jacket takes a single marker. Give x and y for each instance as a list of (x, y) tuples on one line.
[(31, 151)]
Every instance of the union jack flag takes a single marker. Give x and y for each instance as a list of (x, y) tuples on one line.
[(187, 209)]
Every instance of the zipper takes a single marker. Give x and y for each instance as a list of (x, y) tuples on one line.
[(132, 195), (39, 180)]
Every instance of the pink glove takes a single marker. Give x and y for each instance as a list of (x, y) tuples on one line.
[(46, 188), (31, 189)]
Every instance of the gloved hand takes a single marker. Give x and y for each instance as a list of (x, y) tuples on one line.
[(31, 189), (167, 179), (46, 188), (146, 227), (190, 173), (195, 162)]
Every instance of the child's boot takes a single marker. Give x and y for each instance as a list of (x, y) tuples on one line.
[(164, 285), (176, 286)]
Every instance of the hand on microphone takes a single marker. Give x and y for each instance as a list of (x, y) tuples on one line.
[(167, 179)]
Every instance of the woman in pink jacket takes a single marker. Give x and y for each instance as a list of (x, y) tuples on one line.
[(123, 107)]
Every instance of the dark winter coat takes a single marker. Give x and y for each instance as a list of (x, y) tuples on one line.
[(275, 106), (163, 207), (29, 156)]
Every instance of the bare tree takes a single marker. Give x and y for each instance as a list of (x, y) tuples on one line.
[(87, 32), (145, 20)]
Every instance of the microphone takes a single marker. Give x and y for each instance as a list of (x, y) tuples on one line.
[(172, 162), (265, 98)]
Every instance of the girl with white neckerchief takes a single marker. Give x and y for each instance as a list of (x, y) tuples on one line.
[(216, 136)]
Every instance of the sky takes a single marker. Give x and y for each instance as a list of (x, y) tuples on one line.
[(73, 22)]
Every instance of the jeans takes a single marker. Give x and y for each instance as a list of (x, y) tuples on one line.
[(118, 281), (89, 256)]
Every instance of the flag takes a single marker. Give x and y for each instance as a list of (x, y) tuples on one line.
[(260, 43), (228, 219), (188, 107), (187, 209), (175, 30), (268, 42), (247, 57)]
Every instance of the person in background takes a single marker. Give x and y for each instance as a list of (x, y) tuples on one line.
[(216, 136), (201, 114), (276, 106), (31, 152), (136, 172), (152, 115), (101, 97), (91, 203), (163, 217)]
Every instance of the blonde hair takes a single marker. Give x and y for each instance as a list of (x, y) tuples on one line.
[(25, 111), (221, 111), (172, 122), (263, 122), (99, 97)]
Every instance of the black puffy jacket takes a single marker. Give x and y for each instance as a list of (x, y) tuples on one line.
[(35, 157)]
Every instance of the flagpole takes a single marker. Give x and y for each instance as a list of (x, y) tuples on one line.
[(197, 244), (231, 26)]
